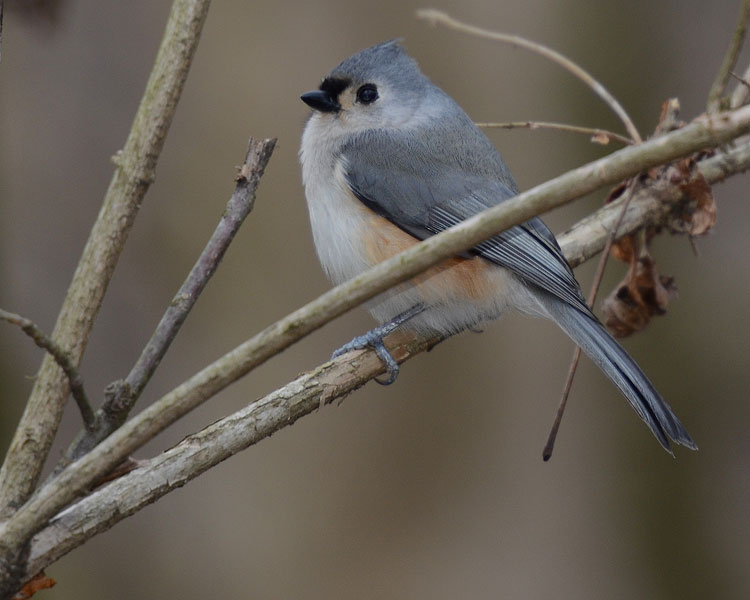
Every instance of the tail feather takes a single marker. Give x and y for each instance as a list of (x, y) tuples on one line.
[(599, 345)]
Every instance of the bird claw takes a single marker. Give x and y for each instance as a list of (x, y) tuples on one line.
[(374, 339)]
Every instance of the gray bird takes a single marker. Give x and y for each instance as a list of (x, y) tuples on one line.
[(389, 159)]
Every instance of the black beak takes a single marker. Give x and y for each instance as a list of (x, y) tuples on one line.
[(320, 100)]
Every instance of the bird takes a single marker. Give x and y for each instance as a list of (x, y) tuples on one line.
[(389, 159)]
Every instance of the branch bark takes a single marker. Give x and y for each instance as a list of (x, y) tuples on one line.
[(77, 478), (136, 165)]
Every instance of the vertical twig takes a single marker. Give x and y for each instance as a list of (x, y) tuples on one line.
[(550, 445), (730, 58), (136, 165)]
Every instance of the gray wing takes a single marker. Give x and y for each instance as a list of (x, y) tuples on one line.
[(405, 184)]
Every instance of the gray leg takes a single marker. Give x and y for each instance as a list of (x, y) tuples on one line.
[(374, 339)]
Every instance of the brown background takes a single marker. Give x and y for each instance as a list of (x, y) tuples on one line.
[(433, 488)]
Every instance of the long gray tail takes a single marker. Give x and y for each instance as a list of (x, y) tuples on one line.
[(592, 337)]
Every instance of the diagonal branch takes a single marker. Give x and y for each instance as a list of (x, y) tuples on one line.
[(333, 380), (61, 358), (136, 165), (77, 478), (436, 16)]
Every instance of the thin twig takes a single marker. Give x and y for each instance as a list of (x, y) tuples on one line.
[(61, 358), (597, 281), (136, 165), (730, 58), (668, 121), (740, 79), (75, 479), (595, 133), (435, 16), (742, 92), (124, 393)]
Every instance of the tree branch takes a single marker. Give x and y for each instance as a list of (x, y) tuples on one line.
[(61, 358), (598, 136), (722, 77), (136, 165), (333, 380), (123, 394), (77, 478), (436, 16), (649, 206), (198, 452)]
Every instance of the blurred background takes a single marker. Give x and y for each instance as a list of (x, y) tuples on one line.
[(433, 487)]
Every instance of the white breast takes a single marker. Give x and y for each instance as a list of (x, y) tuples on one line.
[(336, 216)]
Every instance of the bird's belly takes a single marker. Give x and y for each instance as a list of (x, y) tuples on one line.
[(350, 238)]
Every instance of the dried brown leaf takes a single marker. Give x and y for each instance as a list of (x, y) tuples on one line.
[(698, 214), (39, 582), (642, 294), (624, 249)]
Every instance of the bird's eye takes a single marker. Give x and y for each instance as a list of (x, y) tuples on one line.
[(367, 94)]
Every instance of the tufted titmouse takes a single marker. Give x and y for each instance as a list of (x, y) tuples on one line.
[(389, 159)]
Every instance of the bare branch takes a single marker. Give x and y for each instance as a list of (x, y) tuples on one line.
[(195, 454), (123, 394), (333, 380), (722, 77), (436, 16), (136, 165), (76, 479), (61, 358), (597, 135)]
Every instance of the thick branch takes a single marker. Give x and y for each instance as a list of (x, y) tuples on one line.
[(195, 454), (333, 380), (649, 205), (136, 165), (76, 479)]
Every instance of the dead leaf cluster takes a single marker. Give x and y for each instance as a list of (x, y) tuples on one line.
[(644, 292)]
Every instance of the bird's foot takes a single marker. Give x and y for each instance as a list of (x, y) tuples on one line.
[(374, 339)]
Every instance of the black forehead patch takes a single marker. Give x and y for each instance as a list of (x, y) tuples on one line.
[(333, 86)]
